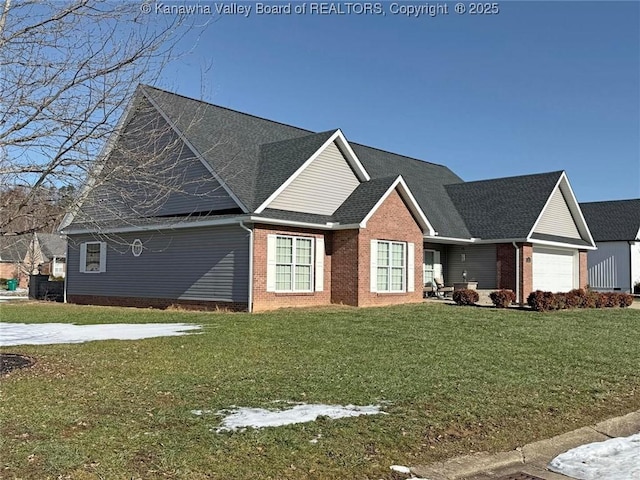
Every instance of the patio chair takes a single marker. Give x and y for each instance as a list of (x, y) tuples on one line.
[(442, 290), (429, 290)]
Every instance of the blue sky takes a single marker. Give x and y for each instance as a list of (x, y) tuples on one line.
[(541, 86)]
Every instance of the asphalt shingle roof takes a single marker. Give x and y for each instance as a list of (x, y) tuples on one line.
[(362, 200), (504, 207), (13, 248), (229, 141), (616, 220), (254, 156), (52, 245), (427, 184)]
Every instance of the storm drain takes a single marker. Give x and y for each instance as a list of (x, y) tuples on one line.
[(520, 476), (11, 361)]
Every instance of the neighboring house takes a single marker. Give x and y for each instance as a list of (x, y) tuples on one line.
[(53, 254), (299, 218), (615, 226), (23, 255)]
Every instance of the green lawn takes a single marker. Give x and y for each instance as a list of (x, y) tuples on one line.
[(451, 379)]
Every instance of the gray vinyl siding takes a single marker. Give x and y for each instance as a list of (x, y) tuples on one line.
[(205, 263), (479, 262), (557, 218), (322, 187), (609, 266)]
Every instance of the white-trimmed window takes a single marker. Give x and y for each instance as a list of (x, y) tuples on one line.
[(294, 264), (392, 266), (93, 257)]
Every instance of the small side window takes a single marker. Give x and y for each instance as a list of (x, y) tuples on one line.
[(93, 257)]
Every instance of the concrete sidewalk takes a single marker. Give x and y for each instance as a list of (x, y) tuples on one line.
[(530, 461)]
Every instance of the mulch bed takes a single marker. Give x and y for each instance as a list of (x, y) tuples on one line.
[(12, 361)]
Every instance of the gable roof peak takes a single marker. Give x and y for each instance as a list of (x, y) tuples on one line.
[(205, 103), (529, 176)]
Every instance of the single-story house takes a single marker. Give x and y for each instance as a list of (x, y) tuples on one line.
[(23, 255), (272, 215), (615, 226)]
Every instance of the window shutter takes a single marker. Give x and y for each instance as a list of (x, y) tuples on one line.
[(411, 274), (320, 264), (374, 266), (103, 257), (271, 263), (83, 257)]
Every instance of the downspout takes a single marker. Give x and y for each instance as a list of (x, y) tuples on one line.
[(250, 301), (631, 245), (64, 295), (515, 245)]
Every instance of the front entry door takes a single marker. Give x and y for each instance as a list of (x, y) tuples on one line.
[(431, 267)]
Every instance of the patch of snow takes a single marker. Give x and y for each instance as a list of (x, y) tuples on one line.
[(614, 459), (200, 412), (243, 417), (50, 333), (401, 469)]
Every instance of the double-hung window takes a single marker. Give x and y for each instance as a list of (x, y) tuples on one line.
[(294, 264), (392, 266), (93, 257)]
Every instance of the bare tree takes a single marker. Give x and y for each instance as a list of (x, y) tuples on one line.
[(67, 71)]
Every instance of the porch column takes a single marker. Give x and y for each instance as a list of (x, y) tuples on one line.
[(526, 272), (583, 278)]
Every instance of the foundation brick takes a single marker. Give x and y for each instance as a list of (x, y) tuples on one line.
[(161, 303)]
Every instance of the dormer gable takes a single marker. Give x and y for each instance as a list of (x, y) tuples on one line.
[(323, 182), (561, 216)]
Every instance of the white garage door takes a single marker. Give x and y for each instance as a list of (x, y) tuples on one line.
[(554, 270)]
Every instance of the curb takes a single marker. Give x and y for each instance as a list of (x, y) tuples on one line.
[(532, 456)]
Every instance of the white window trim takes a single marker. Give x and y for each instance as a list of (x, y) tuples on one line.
[(102, 266), (389, 267), (293, 264)]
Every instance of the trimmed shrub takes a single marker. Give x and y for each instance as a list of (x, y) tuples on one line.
[(591, 300), (576, 298), (545, 301), (625, 300), (502, 298), (558, 301), (540, 301), (609, 299), (466, 297)]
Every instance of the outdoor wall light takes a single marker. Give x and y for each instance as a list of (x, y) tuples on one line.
[(528, 260)]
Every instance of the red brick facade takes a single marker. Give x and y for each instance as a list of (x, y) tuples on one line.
[(506, 266), (13, 270), (346, 261), (392, 221), (263, 300), (344, 278), (526, 271), (583, 273)]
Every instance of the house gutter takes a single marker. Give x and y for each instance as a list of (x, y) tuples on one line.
[(517, 271), (250, 300)]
